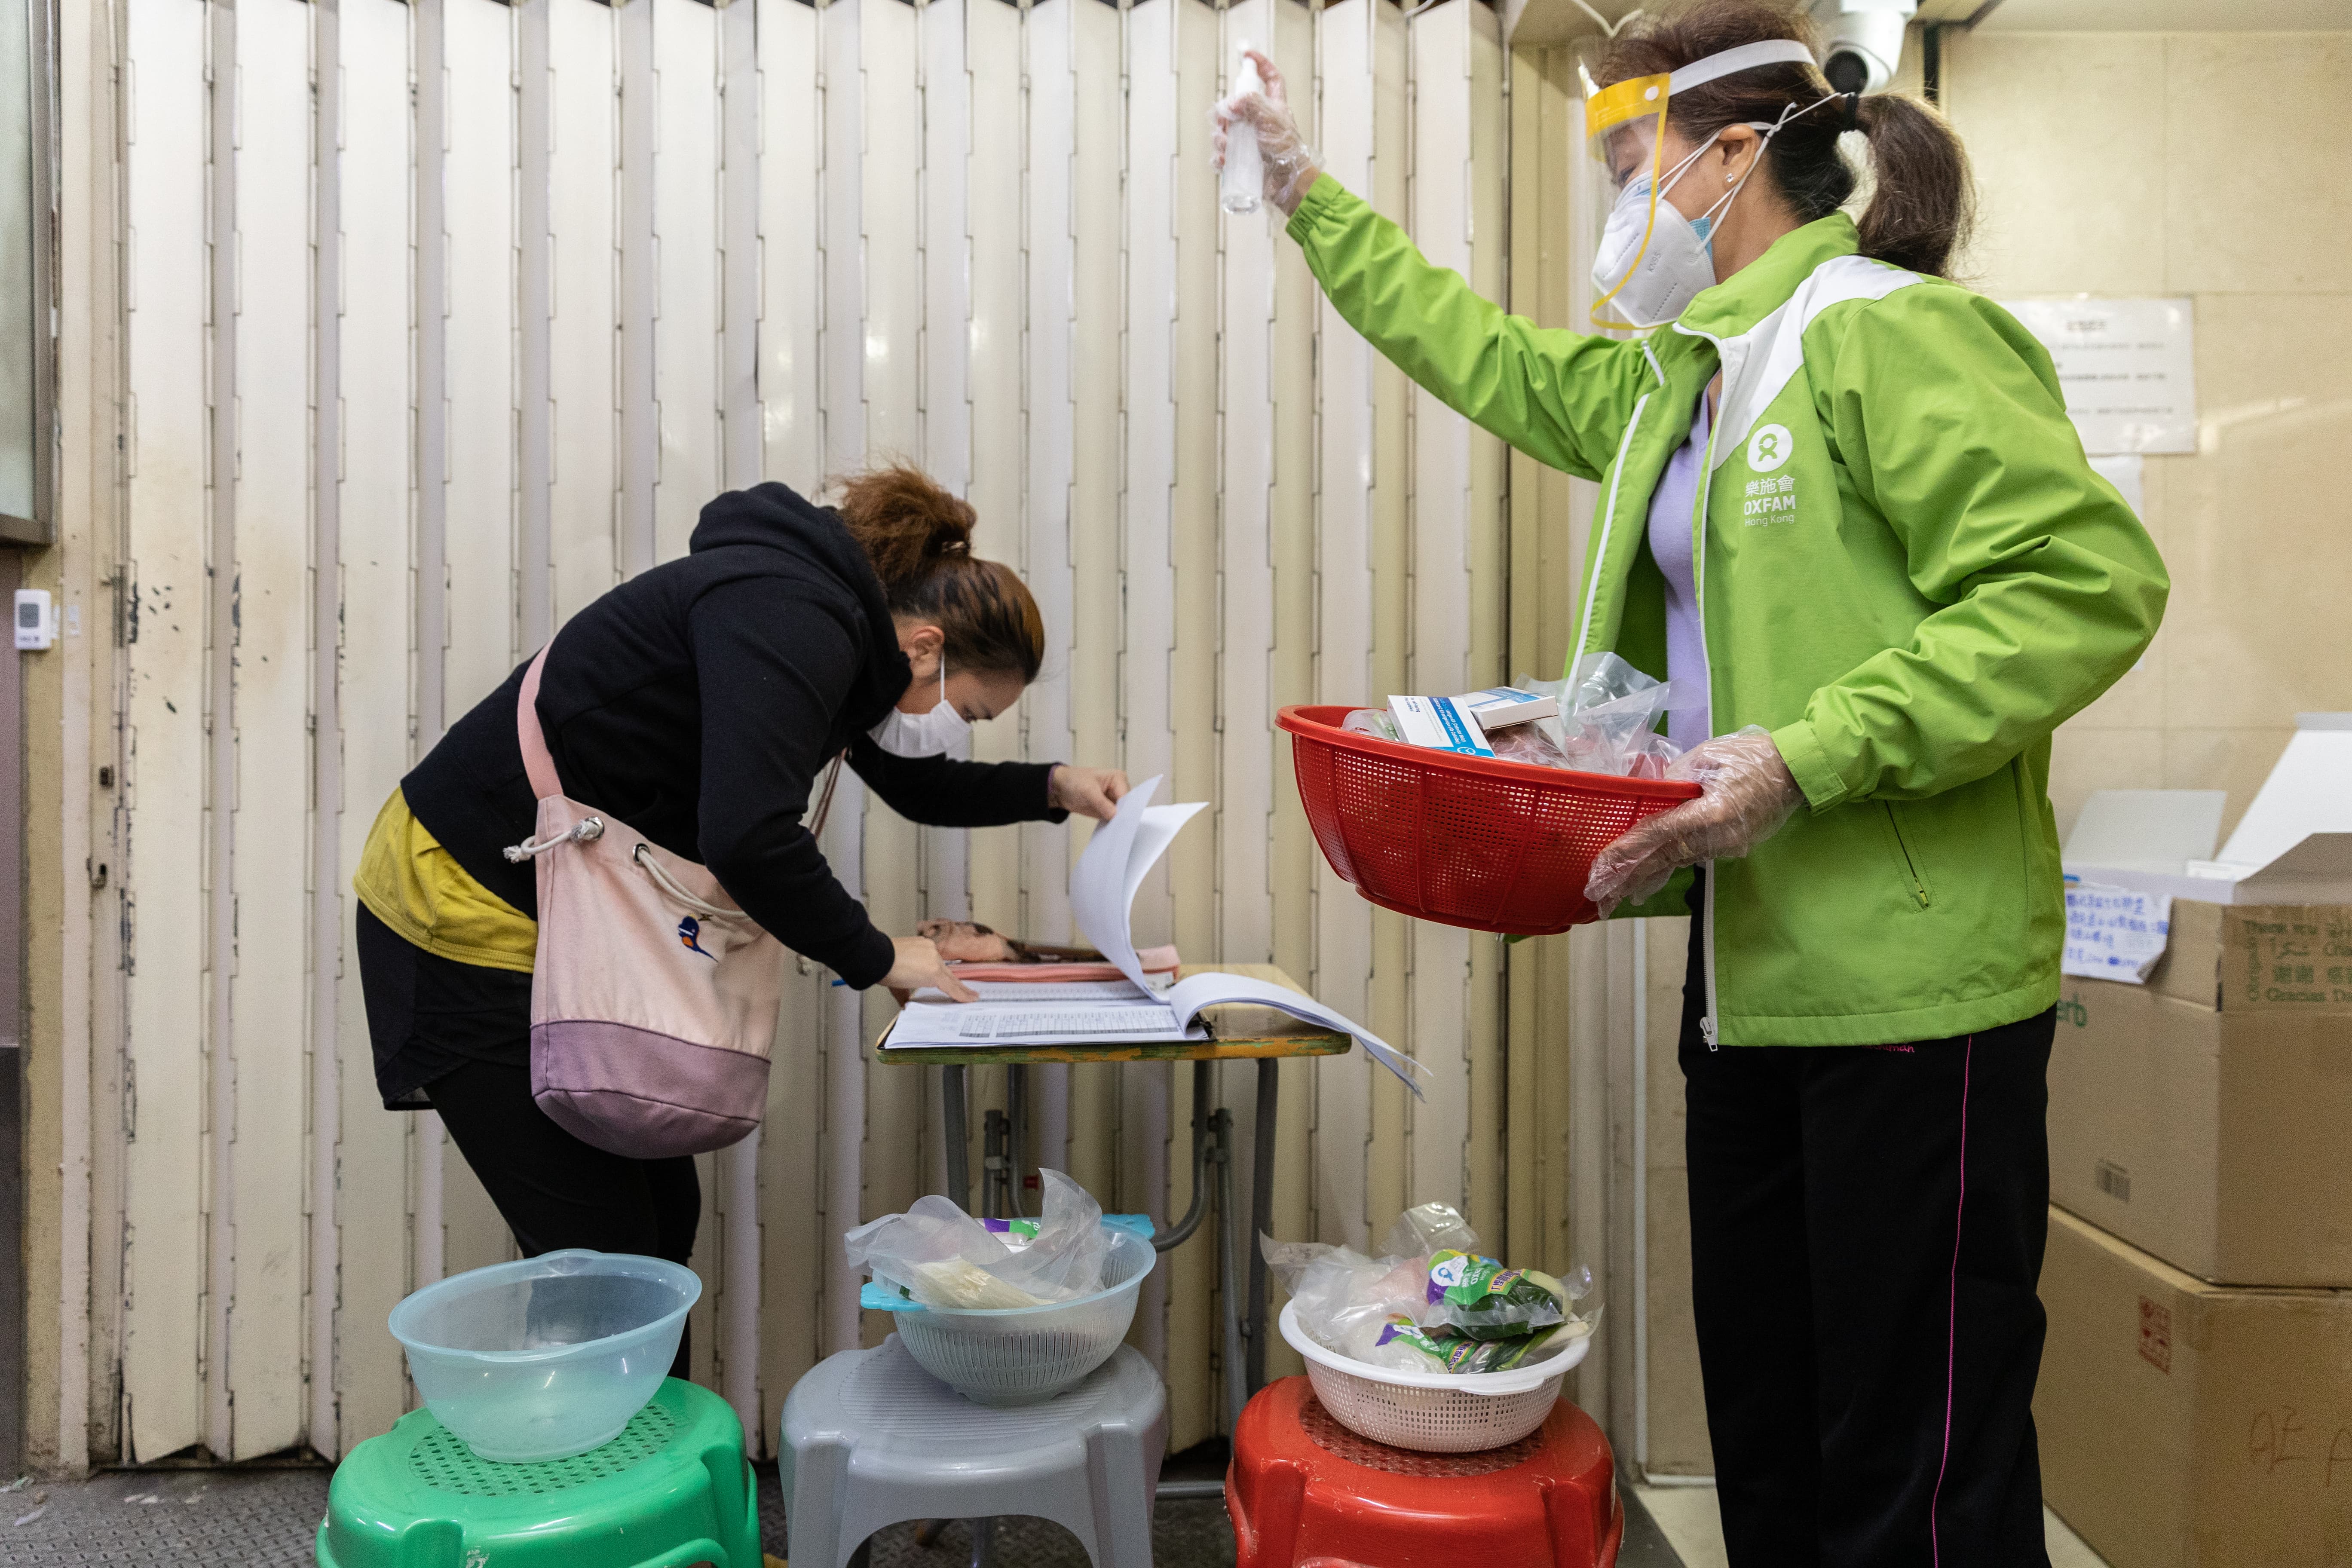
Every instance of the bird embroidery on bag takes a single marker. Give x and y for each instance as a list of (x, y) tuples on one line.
[(689, 936)]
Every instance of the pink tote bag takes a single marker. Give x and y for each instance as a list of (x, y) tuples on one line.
[(653, 1001)]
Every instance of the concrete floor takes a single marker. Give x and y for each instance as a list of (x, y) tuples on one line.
[(269, 1518)]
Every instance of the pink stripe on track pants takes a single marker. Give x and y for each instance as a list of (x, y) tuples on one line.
[(1866, 1235)]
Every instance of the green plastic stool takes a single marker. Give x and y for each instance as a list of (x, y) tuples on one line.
[(670, 1492)]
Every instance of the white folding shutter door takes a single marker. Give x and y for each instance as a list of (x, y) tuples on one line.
[(742, 1247), (796, 1224), (583, 153), (841, 403), (657, 250), (1050, 457), (1456, 564), (1154, 32), (1094, 271), (476, 484), (167, 627), (945, 343), (1347, 103), (374, 696), (259, 1191)]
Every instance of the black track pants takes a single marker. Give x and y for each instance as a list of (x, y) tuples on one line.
[(552, 1190), (1867, 1226)]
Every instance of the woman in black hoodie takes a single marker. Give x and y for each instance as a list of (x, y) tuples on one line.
[(697, 702)]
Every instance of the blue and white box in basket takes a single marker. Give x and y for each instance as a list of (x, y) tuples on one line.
[(1499, 707), (1440, 724)]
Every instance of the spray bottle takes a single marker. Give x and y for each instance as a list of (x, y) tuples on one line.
[(1244, 185)]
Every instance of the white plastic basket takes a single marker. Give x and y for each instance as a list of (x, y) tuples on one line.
[(1025, 1355), (1433, 1412)]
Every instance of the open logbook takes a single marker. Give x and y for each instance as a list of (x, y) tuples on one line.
[(1103, 885)]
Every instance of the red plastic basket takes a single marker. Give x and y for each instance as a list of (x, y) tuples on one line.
[(1463, 841)]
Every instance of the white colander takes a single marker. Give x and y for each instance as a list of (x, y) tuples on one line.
[(1025, 1355), (1433, 1412)]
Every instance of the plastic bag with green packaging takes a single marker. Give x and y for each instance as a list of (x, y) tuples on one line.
[(1431, 1302)]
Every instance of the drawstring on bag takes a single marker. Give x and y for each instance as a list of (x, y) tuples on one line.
[(583, 831)]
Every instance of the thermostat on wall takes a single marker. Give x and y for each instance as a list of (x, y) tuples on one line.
[(36, 626)]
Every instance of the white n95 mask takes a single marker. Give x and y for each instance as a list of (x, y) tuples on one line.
[(1650, 283), (931, 734)]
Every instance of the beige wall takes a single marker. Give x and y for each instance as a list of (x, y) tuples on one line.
[(2108, 165)]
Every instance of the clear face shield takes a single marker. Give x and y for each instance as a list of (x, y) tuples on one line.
[(1650, 260)]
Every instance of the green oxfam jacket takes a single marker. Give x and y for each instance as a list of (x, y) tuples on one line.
[(1907, 573)]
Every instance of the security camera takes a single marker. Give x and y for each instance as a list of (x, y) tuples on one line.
[(1862, 41)]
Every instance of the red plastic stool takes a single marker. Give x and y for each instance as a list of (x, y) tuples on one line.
[(1306, 1492)]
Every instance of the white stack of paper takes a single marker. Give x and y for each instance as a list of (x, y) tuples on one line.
[(1102, 886)]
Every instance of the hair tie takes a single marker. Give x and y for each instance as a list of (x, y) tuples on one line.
[(1852, 110)]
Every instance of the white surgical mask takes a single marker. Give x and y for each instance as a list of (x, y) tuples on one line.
[(931, 734), (1659, 281), (1654, 283)]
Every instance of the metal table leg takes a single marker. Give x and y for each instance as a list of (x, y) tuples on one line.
[(1177, 1234), (959, 1137), (1269, 1080), (1016, 1138)]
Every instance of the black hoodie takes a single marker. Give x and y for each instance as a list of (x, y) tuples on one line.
[(697, 702)]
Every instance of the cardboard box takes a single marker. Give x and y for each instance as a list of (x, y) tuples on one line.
[(2189, 1426), (2293, 846), (2202, 1116)]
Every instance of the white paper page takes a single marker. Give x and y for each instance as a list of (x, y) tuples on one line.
[(967, 1024), (1044, 991), (1188, 997), (1112, 866)]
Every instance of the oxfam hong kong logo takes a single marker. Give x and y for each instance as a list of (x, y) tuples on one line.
[(1768, 449)]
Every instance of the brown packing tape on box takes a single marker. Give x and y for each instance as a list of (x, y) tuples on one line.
[(2188, 1425), (2215, 1139)]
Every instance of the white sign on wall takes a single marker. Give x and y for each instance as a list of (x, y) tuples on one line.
[(2127, 367)]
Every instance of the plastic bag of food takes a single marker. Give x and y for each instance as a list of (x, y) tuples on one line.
[(941, 1256), (1610, 713), (1527, 743), (1480, 1299), (1425, 1228), (1373, 721), (1421, 1306), (1345, 1300), (1440, 1350)]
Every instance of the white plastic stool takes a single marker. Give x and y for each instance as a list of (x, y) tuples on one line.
[(870, 1439)]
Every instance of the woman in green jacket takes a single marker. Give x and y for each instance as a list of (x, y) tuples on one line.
[(1842, 504)]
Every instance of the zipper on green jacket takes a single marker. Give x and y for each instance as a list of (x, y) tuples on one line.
[(1707, 1026), (1608, 519), (1919, 894)]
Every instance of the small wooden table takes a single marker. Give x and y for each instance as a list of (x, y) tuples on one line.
[(1239, 1032)]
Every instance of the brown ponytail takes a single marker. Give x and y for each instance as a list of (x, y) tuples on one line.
[(919, 538), (1921, 202)]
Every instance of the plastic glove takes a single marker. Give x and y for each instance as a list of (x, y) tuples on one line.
[(1290, 164), (1747, 793)]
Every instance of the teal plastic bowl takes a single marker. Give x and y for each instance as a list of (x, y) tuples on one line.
[(548, 1357)]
